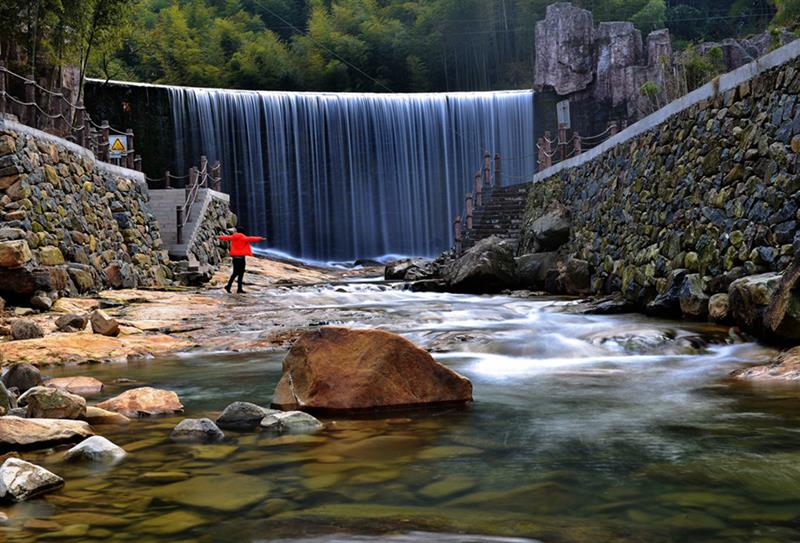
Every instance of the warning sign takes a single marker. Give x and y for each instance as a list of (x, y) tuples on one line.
[(117, 146)]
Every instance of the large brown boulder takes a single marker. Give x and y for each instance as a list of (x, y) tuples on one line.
[(52, 403), (143, 402), (344, 369)]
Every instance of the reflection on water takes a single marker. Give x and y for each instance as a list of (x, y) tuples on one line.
[(584, 429)]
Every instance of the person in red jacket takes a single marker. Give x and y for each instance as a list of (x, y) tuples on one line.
[(240, 248)]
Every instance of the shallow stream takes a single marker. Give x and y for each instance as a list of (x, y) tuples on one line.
[(583, 429)]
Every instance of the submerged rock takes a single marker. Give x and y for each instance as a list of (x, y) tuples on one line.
[(52, 403), (343, 369), (786, 367), (196, 430), (144, 402), (95, 449), (21, 480), (16, 432), (485, 268), (291, 422), (83, 386), (22, 376), (242, 416)]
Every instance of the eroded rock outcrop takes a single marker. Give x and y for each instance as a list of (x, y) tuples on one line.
[(565, 49), (344, 369)]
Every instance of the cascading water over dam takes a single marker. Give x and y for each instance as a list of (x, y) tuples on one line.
[(342, 176)]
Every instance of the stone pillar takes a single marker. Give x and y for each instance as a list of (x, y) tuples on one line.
[(564, 49)]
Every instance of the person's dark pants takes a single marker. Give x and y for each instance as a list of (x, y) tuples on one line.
[(238, 272)]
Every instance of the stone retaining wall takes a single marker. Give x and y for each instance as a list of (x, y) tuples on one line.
[(707, 187), (71, 224)]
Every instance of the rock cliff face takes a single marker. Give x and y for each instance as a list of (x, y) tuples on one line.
[(565, 49), (69, 224), (608, 64)]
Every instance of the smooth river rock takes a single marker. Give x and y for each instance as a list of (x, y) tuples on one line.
[(291, 422), (95, 415), (242, 416), (80, 385), (198, 430), (344, 369), (21, 480), (95, 449), (52, 403), (17, 432), (144, 402)]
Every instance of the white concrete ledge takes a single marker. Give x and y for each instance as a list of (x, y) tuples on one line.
[(727, 82), (7, 124)]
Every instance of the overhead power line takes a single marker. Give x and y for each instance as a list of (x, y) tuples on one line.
[(321, 46)]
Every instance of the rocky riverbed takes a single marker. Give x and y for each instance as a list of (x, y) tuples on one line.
[(583, 428)]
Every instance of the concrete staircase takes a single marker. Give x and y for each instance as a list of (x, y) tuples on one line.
[(164, 202), (500, 215)]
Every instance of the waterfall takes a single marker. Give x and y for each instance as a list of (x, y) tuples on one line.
[(338, 176)]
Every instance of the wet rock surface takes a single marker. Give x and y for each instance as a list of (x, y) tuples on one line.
[(343, 369), (20, 480), (242, 416), (487, 267), (197, 430), (16, 432), (143, 402), (51, 403), (95, 449)]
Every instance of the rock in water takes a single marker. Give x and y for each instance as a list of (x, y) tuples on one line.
[(343, 369), (532, 269), (143, 402), (667, 304), (291, 422), (767, 304), (485, 268), (82, 386), (95, 415), (71, 323), (95, 449), (20, 480), (242, 416), (786, 367), (103, 324), (196, 430), (25, 329), (52, 403), (22, 376), (16, 432)]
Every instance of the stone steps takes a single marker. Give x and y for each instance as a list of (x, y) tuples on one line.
[(500, 215)]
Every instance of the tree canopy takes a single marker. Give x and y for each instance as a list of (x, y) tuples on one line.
[(345, 45)]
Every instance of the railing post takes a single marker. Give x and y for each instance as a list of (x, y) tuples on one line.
[(137, 163), (179, 224), (2, 88), (497, 171), (578, 145), (103, 145), (57, 109), (540, 161), (457, 234), (30, 98), (130, 154), (468, 205), (548, 150), (81, 127), (562, 140), (487, 168), (612, 125), (192, 180), (217, 176), (167, 183), (204, 169), (478, 189)]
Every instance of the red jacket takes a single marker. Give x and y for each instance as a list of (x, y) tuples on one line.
[(240, 244)]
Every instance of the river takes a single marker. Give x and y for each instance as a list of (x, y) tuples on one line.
[(583, 429)]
